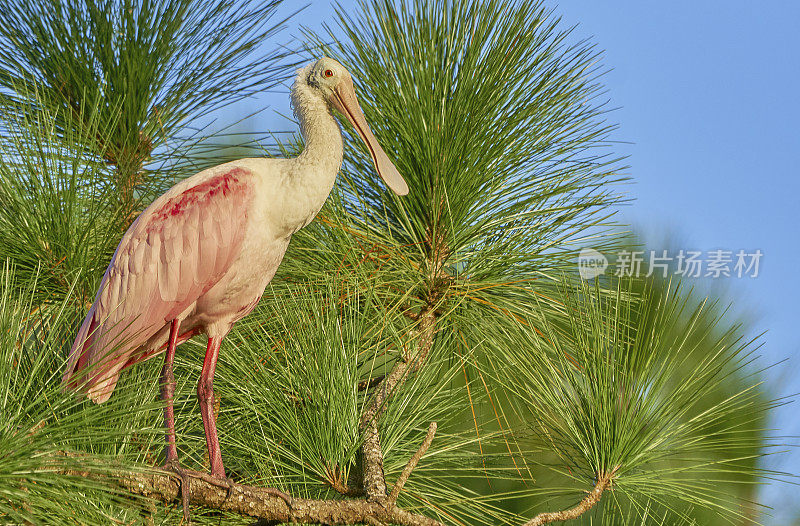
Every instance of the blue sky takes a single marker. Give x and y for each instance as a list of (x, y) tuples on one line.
[(708, 113)]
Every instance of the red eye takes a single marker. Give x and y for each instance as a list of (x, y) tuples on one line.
[(328, 73)]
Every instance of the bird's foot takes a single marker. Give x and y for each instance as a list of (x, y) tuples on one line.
[(229, 484), (184, 475), (220, 481), (285, 497)]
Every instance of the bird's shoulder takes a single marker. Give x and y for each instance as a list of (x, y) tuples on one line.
[(223, 188), (211, 205)]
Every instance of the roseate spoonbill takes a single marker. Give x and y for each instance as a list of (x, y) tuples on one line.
[(200, 256)]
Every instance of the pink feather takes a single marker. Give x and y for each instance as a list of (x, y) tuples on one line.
[(177, 249)]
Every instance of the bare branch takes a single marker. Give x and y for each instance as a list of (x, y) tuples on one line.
[(412, 463), (374, 478), (261, 503), (588, 502)]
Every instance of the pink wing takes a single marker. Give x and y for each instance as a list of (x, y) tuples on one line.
[(173, 253)]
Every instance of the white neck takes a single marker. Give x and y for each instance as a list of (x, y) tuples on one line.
[(307, 184), (320, 131)]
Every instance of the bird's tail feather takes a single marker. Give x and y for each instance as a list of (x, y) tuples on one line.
[(86, 372)]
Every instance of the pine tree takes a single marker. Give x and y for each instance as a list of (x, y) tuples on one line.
[(435, 354)]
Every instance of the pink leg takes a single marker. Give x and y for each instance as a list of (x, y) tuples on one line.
[(205, 392), (168, 393)]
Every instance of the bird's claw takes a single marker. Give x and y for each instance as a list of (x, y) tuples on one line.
[(184, 476), (281, 495), (215, 480), (285, 497), (224, 482)]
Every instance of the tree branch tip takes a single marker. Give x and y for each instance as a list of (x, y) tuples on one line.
[(412, 463), (604, 481)]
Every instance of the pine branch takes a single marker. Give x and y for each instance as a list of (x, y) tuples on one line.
[(261, 503), (588, 502), (265, 504), (374, 477), (412, 463)]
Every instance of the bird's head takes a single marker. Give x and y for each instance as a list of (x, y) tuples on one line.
[(335, 85)]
